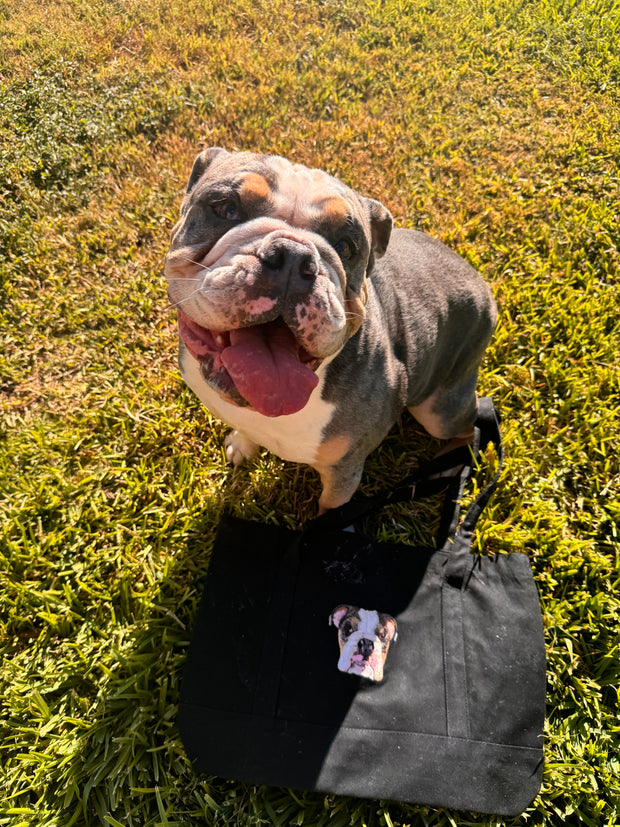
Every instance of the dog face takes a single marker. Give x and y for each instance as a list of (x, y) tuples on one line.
[(267, 268), (364, 637)]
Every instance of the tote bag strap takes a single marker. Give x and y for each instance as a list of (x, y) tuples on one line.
[(458, 542), (424, 482), (487, 430)]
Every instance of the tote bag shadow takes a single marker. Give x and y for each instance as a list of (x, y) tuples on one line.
[(452, 714)]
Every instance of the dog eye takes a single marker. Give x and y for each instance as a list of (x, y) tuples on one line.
[(346, 629), (345, 248), (227, 210)]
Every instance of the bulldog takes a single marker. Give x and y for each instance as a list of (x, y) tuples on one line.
[(308, 324), (364, 637)]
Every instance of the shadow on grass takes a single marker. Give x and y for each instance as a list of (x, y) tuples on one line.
[(126, 764)]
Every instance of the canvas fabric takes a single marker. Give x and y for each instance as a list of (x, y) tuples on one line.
[(457, 718)]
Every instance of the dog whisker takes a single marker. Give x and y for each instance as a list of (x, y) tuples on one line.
[(181, 301), (204, 266), (197, 263)]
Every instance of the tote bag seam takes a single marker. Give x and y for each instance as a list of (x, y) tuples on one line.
[(293, 723), (456, 702)]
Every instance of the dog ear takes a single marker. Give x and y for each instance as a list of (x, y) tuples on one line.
[(337, 615), (392, 627), (381, 223), (201, 164)]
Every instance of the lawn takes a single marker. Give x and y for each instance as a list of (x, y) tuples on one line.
[(494, 127)]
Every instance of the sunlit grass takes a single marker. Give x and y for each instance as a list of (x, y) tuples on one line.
[(493, 127)]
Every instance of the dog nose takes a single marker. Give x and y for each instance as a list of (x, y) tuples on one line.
[(365, 647), (289, 258)]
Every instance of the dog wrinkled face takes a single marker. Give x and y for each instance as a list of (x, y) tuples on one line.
[(267, 269), (364, 637)]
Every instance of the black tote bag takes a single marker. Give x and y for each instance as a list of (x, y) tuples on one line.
[(456, 717)]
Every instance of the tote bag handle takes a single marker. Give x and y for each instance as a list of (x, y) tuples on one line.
[(423, 482), (487, 430)]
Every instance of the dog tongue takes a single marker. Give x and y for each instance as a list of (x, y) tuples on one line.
[(264, 364)]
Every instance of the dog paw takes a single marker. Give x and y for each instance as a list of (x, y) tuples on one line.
[(238, 448)]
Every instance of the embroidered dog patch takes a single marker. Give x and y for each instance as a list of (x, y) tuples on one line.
[(364, 636)]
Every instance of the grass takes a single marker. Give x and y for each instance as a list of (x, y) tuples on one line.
[(496, 128)]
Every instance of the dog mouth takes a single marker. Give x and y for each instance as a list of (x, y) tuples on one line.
[(364, 667), (262, 366)]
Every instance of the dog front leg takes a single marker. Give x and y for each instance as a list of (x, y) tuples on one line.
[(239, 447), (339, 482)]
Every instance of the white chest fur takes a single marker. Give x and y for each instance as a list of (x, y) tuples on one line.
[(295, 437)]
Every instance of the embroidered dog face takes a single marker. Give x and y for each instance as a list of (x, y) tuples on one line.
[(364, 636)]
